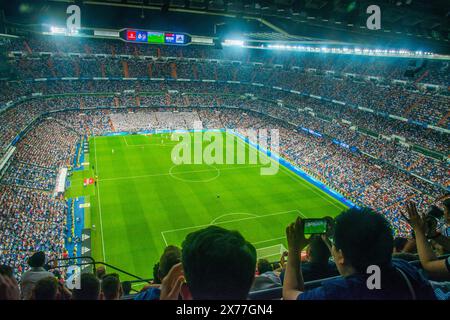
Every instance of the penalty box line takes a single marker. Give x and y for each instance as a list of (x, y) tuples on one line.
[(234, 220)]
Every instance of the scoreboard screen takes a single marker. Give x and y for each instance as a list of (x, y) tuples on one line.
[(174, 38), (137, 36), (155, 37)]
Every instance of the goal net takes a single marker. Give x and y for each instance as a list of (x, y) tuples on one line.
[(272, 252)]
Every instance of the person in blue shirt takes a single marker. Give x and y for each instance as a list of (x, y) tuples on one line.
[(362, 250), (170, 257)]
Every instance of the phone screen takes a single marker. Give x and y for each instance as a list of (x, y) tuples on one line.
[(315, 226)]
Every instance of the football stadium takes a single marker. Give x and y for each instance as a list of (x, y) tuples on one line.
[(218, 150)]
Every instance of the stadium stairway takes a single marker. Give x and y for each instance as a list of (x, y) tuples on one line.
[(413, 106), (416, 163), (76, 67), (138, 101), (87, 49), (27, 47), (422, 76), (126, 73), (111, 124), (102, 68), (51, 67), (442, 121), (186, 100), (195, 71), (173, 70), (137, 53), (150, 70)]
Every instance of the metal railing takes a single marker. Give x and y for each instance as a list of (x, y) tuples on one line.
[(265, 294), (54, 264)]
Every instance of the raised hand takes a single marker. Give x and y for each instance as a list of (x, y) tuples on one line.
[(172, 283), (296, 236), (416, 221)]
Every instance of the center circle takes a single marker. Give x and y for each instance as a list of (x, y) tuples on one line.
[(193, 174)]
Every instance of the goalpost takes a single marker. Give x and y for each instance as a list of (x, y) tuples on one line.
[(274, 251)]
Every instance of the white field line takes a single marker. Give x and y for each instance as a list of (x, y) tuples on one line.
[(124, 139), (233, 214), (256, 216), (170, 143), (164, 238), (169, 174), (263, 241), (99, 203), (234, 220)]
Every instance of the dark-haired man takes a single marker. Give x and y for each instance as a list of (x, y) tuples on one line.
[(267, 277), (318, 265), (32, 276), (216, 264), (170, 257), (362, 250), (111, 287), (46, 289), (89, 288)]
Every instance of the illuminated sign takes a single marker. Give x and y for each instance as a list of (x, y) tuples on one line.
[(131, 35), (155, 37), (141, 36), (174, 38)]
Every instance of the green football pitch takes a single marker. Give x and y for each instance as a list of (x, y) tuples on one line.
[(143, 202)]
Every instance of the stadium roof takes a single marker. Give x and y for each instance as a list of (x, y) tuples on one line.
[(413, 24)]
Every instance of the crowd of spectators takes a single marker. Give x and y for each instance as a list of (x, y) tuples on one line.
[(30, 220), (361, 239), (375, 170), (392, 68)]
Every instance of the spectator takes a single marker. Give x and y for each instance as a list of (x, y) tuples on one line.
[(435, 267), (46, 289), (100, 272), (267, 277), (89, 288), (318, 265), (111, 287), (31, 277), (362, 238), (156, 279), (9, 289), (399, 244), (216, 263), (170, 257), (126, 287)]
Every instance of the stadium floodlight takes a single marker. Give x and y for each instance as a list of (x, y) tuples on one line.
[(57, 30), (235, 43), (54, 30), (346, 50)]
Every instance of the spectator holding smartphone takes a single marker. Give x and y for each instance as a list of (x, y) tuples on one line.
[(435, 267), (362, 239)]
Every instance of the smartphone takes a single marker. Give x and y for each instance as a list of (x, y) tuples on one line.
[(315, 226)]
